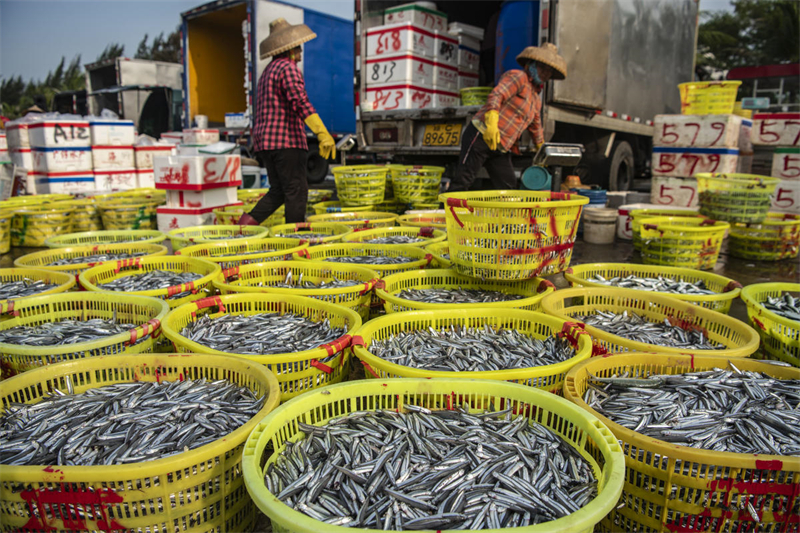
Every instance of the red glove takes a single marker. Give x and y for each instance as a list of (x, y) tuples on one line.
[(247, 220)]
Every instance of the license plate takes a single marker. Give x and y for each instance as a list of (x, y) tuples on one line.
[(442, 135)]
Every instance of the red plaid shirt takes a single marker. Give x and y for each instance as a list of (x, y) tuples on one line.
[(517, 100), (281, 107)]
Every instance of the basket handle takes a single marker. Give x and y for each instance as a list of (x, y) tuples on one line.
[(125, 263), (707, 222), (230, 272), (369, 369), (338, 345), (302, 225), (304, 253), (428, 259), (211, 301), (731, 286), (145, 330), (320, 366), (426, 232), (544, 285), (452, 203), (572, 332)]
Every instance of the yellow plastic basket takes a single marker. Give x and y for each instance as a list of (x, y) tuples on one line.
[(358, 220), (235, 252), (31, 200), (390, 205), (532, 290), (360, 184), (739, 339), (510, 235), (133, 195), (426, 236), (422, 259), (195, 491), (182, 237), (780, 337), (635, 218), (708, 97), (322, 208), (416, 184), (62, 282), (134, 214), (590, 438), (145, 313), (438, 221), (727, 289), (33, 225), (261, 278), (5, 231), (334, 232), (87, 238), (319, 195), (672, 488), (296, 372), (86, 216), (93, 278), (250, 196), (440, 252), (735, 197), (682, 241), (229, 215), (775, 238), (44, 258), (537, 325), (475, 95)]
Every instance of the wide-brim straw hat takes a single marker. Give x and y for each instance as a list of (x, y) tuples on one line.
[(547, 54), (284, 36)]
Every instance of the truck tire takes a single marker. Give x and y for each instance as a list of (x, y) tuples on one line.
[(317, 167), (621, 170)]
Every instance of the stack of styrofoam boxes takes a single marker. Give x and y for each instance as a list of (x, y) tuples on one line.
[(685, 145), (780, 133), (194, 139), (112, 154), (4, 156), (62, 156), (19, 148), (195, 186), (469, 53), (411, 61), (144, 154)]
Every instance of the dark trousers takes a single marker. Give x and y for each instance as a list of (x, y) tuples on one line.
[(475, 153), (288, 184)]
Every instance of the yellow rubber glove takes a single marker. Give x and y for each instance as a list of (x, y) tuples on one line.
[(492, 133), (327, 146), (537, 147)]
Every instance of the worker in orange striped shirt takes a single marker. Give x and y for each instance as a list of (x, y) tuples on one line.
[(513, 106)]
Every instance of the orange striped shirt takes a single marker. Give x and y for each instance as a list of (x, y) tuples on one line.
[(517, 101)]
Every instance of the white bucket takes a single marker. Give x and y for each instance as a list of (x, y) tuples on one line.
[(201, 121), (599, 225)]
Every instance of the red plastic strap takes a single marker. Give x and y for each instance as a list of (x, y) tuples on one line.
[(230, 272), (598, 350), (553, 226), (544, 285), (543, 251), (428, 258), (357, 340), (760, 324), (320, 366), (452, 203), (649, 226), (572, 331), (731, 286), (369, 369), (707, 222), (380, 284), (790, 217), (426, 232), (211, 301), (338, 345), (95, 249), (367, 287), (569, 270), (190, 287), (172, 291), (302, 225), (304, 253)]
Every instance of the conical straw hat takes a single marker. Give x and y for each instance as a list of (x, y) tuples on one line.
[(547, 54), (283, 36)]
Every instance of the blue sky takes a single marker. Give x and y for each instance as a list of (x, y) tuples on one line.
[(34, 34)]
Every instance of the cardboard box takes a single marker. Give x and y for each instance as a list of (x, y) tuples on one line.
[(60, 134), (112, 133), (112, 157), (62, 159), (197, 173)]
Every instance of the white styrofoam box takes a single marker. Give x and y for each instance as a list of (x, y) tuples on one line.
[(674, 192), (176, 217), (22, 157), (112, 157), (697, 131), (387, 97), (446, 49), (3, 142), (30, 183), (4, 155), (188, 149), (201, 199), (786, 163), (61, 159), (624, 230), (116, 180), (173, 137), (63, 182), (144, 154), (686, 162), (112, 132), (60, 134), (17, 135), (445, 77), (197, 173), (145, 178), (405, 68), (469, 53), (776, 129), (786, 198), (397, 39), (416, 14), (459, 28), (198, 136), (467, 79), (237, 120)]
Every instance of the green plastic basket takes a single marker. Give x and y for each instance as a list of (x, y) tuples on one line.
[(735, 197), (475, 95)]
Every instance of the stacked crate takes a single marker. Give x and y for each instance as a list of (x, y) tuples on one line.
[(112, 154), (685, 145), (4, 155), (469, 50), (143, 156), (61, 156), (195, 186), (411, 61), (780, 132)]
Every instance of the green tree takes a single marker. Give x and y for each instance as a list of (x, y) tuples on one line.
[(112, 51), (162, 49), (17, 96)]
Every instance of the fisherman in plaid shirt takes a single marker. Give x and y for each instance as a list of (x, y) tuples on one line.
[(279, 135), (513, 106)]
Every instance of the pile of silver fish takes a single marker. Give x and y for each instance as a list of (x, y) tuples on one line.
[(786, 306), (658, 284), (308, 236), (261, 334), (63, 332), (290, 283), (465, 349), (371, 259), (427, 469), (721, 410), (95, 258), (456, 296), (123, 423), (23, 287), (633, 327), (395, 239), (155, 279)]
